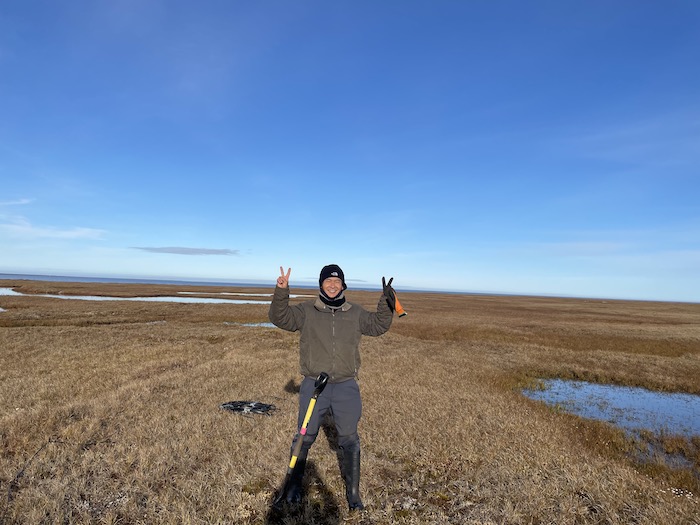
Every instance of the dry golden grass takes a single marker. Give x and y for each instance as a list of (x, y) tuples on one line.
[(109, 411)]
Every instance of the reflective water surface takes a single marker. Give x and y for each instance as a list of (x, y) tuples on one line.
[(185, 299), (633, 409), (258, 325)]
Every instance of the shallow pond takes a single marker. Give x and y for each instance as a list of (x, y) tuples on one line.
[(255, 325), (630, 408)]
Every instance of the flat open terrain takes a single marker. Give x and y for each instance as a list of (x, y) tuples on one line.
[(109, 411)]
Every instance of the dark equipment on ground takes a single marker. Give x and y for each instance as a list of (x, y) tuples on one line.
[(249, 407)]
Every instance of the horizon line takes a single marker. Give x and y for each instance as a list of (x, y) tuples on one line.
[(259, 283)]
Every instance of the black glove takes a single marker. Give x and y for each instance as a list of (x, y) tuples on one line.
[(389, 293)]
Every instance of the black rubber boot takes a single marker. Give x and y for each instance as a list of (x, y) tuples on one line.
[(295, 492), (351, 474)]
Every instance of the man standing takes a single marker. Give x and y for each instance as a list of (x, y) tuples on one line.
[(331, 328)]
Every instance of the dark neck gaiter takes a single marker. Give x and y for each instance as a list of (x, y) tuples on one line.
[(336, 302)]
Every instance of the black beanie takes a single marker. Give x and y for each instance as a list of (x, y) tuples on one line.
[(332, 270)]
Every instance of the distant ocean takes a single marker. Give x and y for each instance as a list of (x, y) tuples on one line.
[(203, 282), (146, 280)]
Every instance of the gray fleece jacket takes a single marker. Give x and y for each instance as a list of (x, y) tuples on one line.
[(330, 337)]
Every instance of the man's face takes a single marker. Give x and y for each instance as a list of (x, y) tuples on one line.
[(332, 286)]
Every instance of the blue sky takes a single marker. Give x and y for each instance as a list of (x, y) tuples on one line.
[(514, 147)]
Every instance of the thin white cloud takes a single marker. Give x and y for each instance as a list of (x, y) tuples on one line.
[(180, 250), (582, 248), (21, 227), (18, 202), (663, 140)]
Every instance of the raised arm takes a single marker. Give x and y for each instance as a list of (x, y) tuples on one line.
[(379, 322), (281, 314)]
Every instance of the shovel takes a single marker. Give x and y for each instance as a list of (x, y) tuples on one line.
[(320, 384)]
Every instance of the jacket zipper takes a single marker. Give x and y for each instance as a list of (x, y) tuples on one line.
[(333, 345)]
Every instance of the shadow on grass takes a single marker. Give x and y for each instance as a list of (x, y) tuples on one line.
[(319, 506), (291, 387)]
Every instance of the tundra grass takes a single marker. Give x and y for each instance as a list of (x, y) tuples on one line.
[(109, 411)]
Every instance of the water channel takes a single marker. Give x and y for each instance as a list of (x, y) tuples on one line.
[(185, 298)]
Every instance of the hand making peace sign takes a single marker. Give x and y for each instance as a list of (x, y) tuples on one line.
[(283, 280)]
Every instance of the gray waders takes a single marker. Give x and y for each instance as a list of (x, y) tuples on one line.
[(343, 401)]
